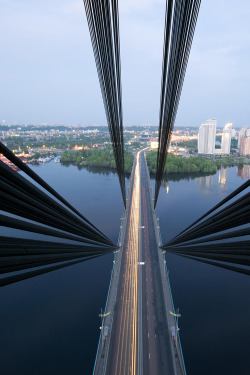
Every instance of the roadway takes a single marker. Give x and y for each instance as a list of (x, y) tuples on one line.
[(122, 357), (138, 339), (156, 338)]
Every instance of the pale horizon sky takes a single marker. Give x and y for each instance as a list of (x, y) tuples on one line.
[(49, 74)]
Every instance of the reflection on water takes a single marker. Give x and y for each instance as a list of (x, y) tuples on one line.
[(97, 170), (223, 176), (243, 172), (180, 176), (204, 184), (166, 186), (214, 341)]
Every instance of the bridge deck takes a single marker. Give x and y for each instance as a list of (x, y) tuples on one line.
[(137, 336)]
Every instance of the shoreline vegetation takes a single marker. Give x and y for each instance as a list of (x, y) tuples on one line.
[(97, 158), (193, 165), (175, 164)]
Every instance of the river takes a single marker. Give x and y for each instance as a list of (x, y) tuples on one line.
[(50, 324)]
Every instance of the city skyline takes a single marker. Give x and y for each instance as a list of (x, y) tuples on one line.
[(68, 124), (207, 139)]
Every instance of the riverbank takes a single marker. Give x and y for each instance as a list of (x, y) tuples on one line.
[(97, 158), (176, 167), (175, 164), (193, 164)]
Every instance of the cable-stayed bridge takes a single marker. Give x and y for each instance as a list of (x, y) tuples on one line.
[(139, 332)]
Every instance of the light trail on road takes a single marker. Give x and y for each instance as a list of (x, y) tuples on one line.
[(140, 339), (126, 351)]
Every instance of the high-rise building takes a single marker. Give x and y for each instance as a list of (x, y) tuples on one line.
[(245, 146), (226, 139), (206, 137), (241, 134), (234, 133)]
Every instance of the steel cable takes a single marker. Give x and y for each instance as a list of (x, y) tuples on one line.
[(180, 21), (103, 22)]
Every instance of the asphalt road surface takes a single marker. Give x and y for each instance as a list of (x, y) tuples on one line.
[(140, 339)]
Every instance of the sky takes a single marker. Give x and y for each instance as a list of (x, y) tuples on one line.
[(48, 73)]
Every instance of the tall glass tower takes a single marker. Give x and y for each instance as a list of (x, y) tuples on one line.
[(226, 139), (206, 137)]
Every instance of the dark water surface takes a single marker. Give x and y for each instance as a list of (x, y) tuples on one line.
[(50, 324), (214, 303)]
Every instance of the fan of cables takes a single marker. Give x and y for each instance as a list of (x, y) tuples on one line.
[(103, 22), (221, 236), (28, 208), (180, 21)]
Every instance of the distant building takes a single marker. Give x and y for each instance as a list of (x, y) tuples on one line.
[(245, 146), (226, 139), (99, 146), (234, 133), (77, 147), (206, 137), (154, 145), (23, 157), (241, 134)]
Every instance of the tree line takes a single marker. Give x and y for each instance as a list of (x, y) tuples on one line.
[(97, 158), (174, 164)]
